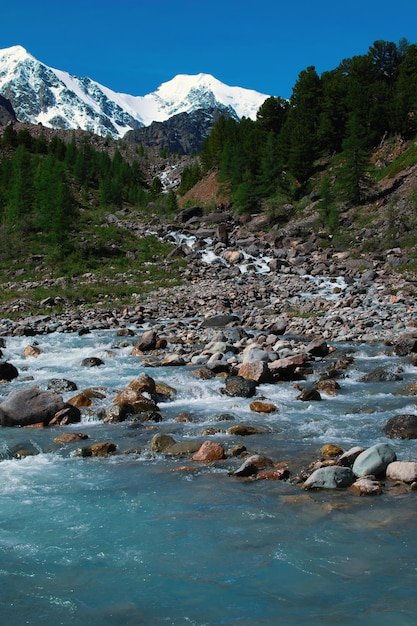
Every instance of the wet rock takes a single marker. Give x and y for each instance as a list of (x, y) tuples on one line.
[(262, 407), (286, 368), (61, 385), (401, 427), (80, 400), (332, 477), (31, 351), (68, 415), (374, 460), (349, 457), (30, 406), (184, 417), (148, 416), (380, 375), (204, 373), (318, 347), (239, 386), (161, 443), (245, 470), (275, 473), (125, 332), (146, 343), (173, 360), (406, 471), (8, 371), (309, 395), (24, 449), (330, 449), (70, 437), (182, 448), (133, 401), (405, 345), (209, 452), (330, 387), (243, 430), (143, 383), (116, 414), (257, 371), (252, 465), (98, 449), (237, 450), (92, 361), (367, 486)]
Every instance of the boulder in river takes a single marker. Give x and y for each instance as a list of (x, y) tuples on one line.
[(401, 427), (331, 477), (374, 460), (239, 386), (24, 407), (406, 471), (380, 375), (208, 452), (8, 371)]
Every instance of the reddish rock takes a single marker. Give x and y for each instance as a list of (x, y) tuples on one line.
[(70, 437), (262, 407), (134, 401), (143, 383), (276, 473), (244, 431), (80, 400), (99, 449), (285, 369), (255, 370), (209, 451)]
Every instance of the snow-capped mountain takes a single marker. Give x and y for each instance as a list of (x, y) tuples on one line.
[(57, 99)]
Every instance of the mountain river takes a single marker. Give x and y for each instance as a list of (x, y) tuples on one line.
[(137, 538)]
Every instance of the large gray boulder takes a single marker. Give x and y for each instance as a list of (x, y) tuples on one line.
[(374, 460), (331, 477), (30, 406)]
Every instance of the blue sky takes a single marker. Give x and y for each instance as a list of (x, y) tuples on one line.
[(132, 46)]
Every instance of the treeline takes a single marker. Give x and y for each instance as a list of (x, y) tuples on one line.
[(41, 184), (346, 111)]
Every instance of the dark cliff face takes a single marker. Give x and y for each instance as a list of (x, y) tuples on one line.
[(7, 113), (183, 133)]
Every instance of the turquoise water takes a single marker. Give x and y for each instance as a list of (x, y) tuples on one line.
[(138, 539)]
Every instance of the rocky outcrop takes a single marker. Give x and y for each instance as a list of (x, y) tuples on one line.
[(7, 113), (181, 134)]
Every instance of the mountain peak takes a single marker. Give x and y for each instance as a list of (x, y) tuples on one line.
[(14, 52), (57, 99)]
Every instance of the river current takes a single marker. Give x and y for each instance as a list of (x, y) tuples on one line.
[(136, 539)]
